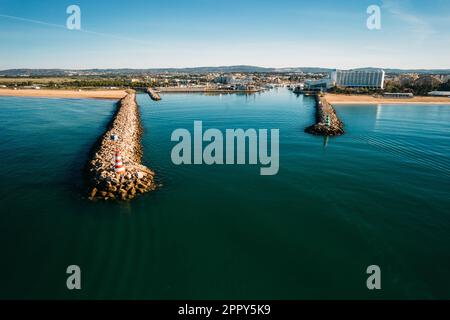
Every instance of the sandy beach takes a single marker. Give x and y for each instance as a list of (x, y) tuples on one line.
[(366, 99), (72, 94)]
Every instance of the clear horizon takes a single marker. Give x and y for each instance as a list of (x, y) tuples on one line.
[(186, 34)]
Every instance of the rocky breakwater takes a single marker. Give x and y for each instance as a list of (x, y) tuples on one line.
[(153, 94), (327, 121), (122, 137)]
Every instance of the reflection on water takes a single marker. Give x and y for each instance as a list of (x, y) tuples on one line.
[(325, 141), (404, 131)]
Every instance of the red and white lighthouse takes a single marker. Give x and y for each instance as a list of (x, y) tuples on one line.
[(119, 168)]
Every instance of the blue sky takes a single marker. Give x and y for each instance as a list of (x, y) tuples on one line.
[(181, 33)]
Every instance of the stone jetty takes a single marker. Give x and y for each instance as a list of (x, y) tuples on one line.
[(153, 94), (327, 121), (123, 135)]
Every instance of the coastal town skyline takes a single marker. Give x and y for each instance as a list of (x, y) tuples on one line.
[(199, 33)]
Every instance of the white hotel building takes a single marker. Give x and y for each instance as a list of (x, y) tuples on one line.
[(358, 78)]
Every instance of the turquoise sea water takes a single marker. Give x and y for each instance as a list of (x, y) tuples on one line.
[(377, 195)]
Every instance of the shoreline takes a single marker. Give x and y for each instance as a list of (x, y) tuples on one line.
[(337, 99), (333, 99), (101, 94), (69, 94), (201, 90)]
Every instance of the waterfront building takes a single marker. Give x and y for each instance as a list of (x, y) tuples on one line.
[(225, 79), (321, 84), (399, 95), (358, 78), (439, 93)]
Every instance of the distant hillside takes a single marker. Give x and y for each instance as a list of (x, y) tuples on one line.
[(32, 72), (223, 69), (418, 71)]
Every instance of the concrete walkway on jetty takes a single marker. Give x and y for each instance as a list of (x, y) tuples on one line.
[(123, 135), (327, 121)]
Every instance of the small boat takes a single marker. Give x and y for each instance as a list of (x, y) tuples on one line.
[(298, 89)]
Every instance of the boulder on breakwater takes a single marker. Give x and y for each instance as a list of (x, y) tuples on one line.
[(327, 121), (123, 135)]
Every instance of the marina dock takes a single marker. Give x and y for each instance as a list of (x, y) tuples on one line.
[(205, 90)]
